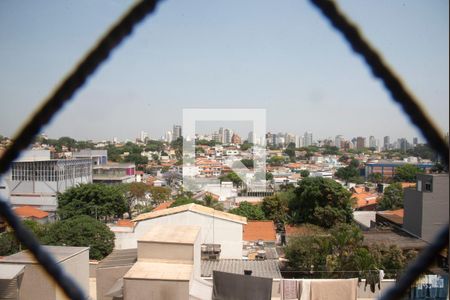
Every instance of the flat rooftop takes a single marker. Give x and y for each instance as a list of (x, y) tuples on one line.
[(59, 253), (172, 234), (160, 271), (261, 268)]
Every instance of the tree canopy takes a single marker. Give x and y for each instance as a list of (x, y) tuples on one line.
[(392, 197), (320, 201), (233, 177), (341, 249), (96, 200), (251, 212), (82, 231), (276, 207), (407, 173)]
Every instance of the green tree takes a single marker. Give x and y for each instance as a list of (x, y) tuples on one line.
[(376, 178), (348, 174), (320, 201), (138, 159), (10, 245), (304, 173), (233, 177), (134, 194), (82, 231), (407, 173), (246, 145), (330, 150), (276, 207), (96, 200), (184, 200), (276, 160), (209, 201), (159, 193), (308, 252), (251, 212), (392, 197), (248, 163)]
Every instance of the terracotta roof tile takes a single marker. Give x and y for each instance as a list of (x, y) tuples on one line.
[(163, 205), (259, 230), (125, 223), (30, 212)]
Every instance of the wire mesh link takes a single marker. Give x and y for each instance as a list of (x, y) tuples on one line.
[(381, 70), (63, 93), (414, 111), (66, 90)]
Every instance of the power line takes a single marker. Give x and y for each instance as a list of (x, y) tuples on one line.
[(62, 94)]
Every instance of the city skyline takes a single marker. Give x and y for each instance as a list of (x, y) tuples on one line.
[(293, 65)]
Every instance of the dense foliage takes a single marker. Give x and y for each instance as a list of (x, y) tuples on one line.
[(82, 231), (250, 211), (407, 173), (320, 201), (392, 197), (96, 200), (342, 250)]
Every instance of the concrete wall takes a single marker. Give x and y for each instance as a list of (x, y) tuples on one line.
[(435, 207), (213, 230), (78, 267), (36, 284), (412, 202), (165, 251), (427, 211), (156, 289), (106, 277)]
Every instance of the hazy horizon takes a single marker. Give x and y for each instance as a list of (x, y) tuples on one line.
[(283, 57)]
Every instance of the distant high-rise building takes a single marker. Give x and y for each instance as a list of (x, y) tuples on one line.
[(221, 135), (269, 139), (372, 142), (308, 139), (386, 143), (236, 139), (289, 138), (415, 141), (403, 144), (251, 137), (169, 137), (338, 140), (143, 137), (360, 142), (176, 133), (299, 142), (227, 134)]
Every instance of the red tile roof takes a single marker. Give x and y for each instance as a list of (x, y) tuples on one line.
[(30, 212), (163, 205), (365, 199), (125, 223), (259, 230)]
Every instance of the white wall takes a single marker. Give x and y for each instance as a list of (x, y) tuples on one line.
[(214, 230)]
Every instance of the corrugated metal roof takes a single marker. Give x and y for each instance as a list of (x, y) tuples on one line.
[(193, 208), (260, 268)]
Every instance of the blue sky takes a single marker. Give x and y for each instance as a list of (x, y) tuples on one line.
[(278, 55)]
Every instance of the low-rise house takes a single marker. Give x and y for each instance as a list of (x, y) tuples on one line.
[(32, 213), (217, 227), (114, 173)]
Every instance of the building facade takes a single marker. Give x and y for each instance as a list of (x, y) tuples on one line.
[(426, 206)]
